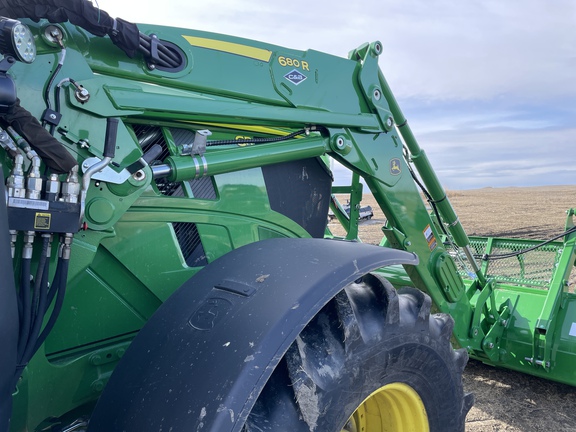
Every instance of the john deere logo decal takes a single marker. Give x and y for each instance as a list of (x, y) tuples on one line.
[(395, 166), (295, 77)]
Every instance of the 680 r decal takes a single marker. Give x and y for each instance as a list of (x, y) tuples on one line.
[(287, 61)]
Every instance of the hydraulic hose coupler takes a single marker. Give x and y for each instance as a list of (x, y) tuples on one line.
[(8, 144), (71, 187), (66, 249), (50, 239), (52, 187), (34, 181), (28, 242), (13, 239), (16, 180)]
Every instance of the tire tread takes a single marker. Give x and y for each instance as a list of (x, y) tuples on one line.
[(355, 327)]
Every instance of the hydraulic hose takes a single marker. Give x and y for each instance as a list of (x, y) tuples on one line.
[(52, 291), (40, 277), (57, 101), (26, 305), (37, 319), (32, 310), (491, 257), (53, 153), (43, 285), (260, 140), (51, 84), (165, 57), (61, 288), (31, 338)]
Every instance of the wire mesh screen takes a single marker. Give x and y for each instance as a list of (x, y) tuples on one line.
[(531, 269)]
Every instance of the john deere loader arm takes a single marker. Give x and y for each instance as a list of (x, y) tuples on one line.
[(167, 202)]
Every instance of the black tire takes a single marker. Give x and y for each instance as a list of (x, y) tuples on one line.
[(369, 342)]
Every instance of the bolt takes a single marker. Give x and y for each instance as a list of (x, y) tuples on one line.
[(490, 345), (54, 35), (340, 143), (139, 175), (97, 386), (389, 122), (504, 323), (377, 94), (82, 95), (475, 332), (53, 116), (377, 48)]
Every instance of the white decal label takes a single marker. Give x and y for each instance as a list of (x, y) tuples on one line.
[(28, 203), (573, 329)]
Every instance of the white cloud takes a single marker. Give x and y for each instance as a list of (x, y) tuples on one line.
[(480, 50), (501, 157)]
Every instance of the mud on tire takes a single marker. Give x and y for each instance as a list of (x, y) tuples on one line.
[(349, 368)]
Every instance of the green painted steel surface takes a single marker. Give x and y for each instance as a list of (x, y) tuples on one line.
[(146, 236)]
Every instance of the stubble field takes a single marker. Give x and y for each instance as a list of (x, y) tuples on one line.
[(507, 400)]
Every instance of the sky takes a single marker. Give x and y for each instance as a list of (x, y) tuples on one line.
[(487, 86)]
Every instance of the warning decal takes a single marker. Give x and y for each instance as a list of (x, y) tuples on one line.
[(430, 238), (42, 221)]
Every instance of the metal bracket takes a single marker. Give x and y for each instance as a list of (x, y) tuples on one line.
[(370, 85), (544, 329), (487, 342), (491, 343), (199, 145), (106, 174)]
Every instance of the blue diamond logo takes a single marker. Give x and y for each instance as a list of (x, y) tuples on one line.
[(295, 77)]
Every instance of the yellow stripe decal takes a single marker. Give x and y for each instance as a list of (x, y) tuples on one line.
[(247, 128), (230, 47)]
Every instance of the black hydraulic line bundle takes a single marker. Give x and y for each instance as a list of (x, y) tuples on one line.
[(34, 302), (82, 13)]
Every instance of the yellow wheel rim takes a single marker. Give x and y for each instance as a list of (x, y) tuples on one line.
[(395, 407)]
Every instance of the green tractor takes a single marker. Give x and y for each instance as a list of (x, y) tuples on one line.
[(167, 263)]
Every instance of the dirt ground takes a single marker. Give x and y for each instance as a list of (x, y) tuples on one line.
[(507, 400)]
